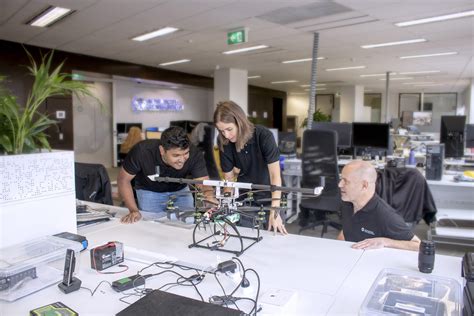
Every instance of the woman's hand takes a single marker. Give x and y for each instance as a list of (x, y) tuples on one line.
[(275, 222)]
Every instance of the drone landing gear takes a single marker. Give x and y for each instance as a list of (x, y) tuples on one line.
[(230, 241)]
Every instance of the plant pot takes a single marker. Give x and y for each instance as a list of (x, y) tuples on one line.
[(37, 196)]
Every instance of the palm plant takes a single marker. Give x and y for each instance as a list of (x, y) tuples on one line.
[(22, 127)]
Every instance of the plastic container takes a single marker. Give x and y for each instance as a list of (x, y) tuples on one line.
[(30, 266), (399, 292)]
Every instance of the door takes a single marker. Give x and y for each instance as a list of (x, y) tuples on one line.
[(61, 135), (278, 113)]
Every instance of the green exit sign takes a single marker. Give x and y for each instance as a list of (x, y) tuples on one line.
[(237, 36)]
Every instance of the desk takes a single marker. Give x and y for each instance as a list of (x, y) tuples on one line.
[(329, 277), (452, 195)]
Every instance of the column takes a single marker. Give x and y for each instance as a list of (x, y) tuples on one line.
[(352, 107), (231, 84)]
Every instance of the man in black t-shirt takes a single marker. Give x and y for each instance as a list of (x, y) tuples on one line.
[(366, 218), (176, 158)]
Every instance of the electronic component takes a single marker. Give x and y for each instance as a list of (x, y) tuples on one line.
[(74, 237), (57, 308), (8, 282), (226, 266), (105, 256), (127, 283), (70, 283)]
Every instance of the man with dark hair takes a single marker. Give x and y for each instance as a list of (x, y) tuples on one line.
[(366, 218), (172, 156)]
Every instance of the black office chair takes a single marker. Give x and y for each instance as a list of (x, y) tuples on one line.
[(320, 159), (92, 183), (406, 190)]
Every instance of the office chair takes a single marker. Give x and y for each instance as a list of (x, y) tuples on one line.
[(320, 159), (406, 190), (92, 183)]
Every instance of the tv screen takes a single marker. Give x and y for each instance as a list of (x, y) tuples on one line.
[(343, 131), (373, 135), (452, 135), (469, 136), (422, 118)]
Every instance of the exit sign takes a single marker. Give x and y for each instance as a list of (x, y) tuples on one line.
[(237, 36)]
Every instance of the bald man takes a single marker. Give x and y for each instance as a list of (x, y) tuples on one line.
[(366, 218)]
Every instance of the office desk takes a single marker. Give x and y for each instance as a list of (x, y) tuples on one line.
[(328, 276), (452, 195)]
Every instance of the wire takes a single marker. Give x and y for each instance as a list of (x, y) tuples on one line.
[(93, 291)]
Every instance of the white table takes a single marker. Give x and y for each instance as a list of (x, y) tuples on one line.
[(321, 272)]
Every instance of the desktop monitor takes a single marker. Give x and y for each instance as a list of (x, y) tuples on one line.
[(287, 143), (452, 135), (343, 131), (422, 118), (469, 136), (371, 135)]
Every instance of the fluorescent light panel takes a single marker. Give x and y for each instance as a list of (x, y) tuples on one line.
[(436, 18), (300, 60), (377, 75), (398, 78), (346, 68), (49, 16), (413, 41), (284, 81), (317, 85), (253, 77), (422, 82), (246, 49), (420, 72), (429, 55), (317, 89), (159, 32), (176, 62)]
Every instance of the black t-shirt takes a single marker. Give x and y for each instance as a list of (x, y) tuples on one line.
[(144, 156), (375, 219), (254, 158)]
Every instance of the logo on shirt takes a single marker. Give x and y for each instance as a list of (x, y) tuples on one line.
[(364, 230)]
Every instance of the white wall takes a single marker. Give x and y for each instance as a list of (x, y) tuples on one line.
[(298, 105), (93, 126), (196, 102)]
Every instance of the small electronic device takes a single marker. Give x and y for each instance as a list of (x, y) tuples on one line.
[(74, 237), (10, 281), (57, 308), (105, 256), (129, 282), (69, 283)]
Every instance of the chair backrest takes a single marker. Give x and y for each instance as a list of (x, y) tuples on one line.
[(287, 143), (207, 146), (92, 183), (406, 190), (320, 159)]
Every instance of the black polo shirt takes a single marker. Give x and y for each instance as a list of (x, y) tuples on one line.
[(144, 156), (375, 219), (254, 158)]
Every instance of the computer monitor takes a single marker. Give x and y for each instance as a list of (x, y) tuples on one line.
[(452, 135), (469, 136), (371, 135), (287, 143), (422, 118), (343, 131)]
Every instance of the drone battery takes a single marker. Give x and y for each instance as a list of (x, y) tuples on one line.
[(105, 256)]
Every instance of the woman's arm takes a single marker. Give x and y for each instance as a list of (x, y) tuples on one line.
[(275, 220)]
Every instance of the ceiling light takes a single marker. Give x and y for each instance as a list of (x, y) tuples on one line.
[(398, 78), (429, 55), (253, 77), (420, 72), (246, 49), (285, 81), (308, 85), (377, 75), (413, 41), (297, 93), (423, 82), (429, 85), (346, 68), (159, 32), (317, 89), (176, 62), (300, 60), (436, 18), (50, 16)]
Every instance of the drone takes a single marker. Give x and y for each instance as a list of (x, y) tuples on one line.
[(216, 222)]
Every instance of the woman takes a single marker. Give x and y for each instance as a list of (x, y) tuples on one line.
[(134, 136), (249, 154)]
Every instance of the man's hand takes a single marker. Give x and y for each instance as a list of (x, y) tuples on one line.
[(275, 221), (370, 243), (131, 217)]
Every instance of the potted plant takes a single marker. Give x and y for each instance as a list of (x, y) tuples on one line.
[(37, 192), (318, 116)]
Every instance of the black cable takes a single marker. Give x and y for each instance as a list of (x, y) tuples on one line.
[(93, 291), (258, 291)]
